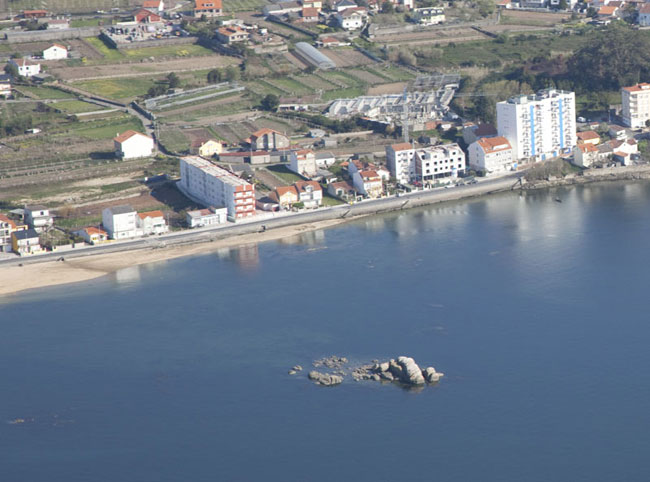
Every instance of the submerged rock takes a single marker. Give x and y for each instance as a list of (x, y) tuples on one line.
[(325, 379)]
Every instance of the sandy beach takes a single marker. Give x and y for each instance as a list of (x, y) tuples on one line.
[(39, 275)]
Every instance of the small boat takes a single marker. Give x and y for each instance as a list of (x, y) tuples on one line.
[(558, 200)]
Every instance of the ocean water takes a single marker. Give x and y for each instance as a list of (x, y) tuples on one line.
[(535, 310)]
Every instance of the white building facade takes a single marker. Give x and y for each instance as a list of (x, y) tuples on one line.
[(491, 154), (636, 105), (303, 162), (26, 68), (539, 126), (401, 162), (120, 222), (133, 145), (211, 185), (151, 222), (206, 217), (435, 163), (55, 52)]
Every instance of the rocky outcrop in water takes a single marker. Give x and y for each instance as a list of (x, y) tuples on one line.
[(403, 371)]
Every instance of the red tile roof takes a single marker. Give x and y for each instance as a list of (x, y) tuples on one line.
[(642, 86), (402, 146), (151, 214), (128, 134), (493, 144), (207, 4)]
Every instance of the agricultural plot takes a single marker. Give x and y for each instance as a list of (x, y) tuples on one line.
[(124, 88), (107, 129), (317, 82), (174, 139), (61, 6), (347, 57), (76, 107), (44, 92), (262, 87), (366, 76), (243, 5), (290, 86)]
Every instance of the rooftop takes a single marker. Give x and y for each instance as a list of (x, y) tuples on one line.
[(494, 144), (215, 171), (124, 136), (151, 214), (25, 234), (124, 209)]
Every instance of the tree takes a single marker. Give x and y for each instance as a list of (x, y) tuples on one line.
[(270, 102), (592, 12), (12, 70), (232, 73), (173, 80), (387, 7), (563, 5), (215, 76)]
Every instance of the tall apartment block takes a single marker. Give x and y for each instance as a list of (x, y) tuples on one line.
[(539, 126), (636, 105)]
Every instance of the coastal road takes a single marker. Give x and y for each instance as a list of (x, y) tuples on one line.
[(278, 220)]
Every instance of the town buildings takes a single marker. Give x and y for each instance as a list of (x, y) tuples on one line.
[(309, 193), (211, 185), (368, 183), (209, 8), (428, 15), (55, 52), (132, 145), (303, 162), (151, 222), (636, 105), (25, 242), (92, 235), (285, 196), (588, 137), (352, 18), (120, 222), (401, 162), (232, 34), (5, 85), (585, 155), (206, 217), (207, 147), (539, 126), (38, 217), (268, 139), (644, 15), (7, 226), (26, 68), (157, 6), (491, 154), (436, 163)]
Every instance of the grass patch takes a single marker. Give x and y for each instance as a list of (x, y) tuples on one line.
[(174, 140), (243, 5), (46, 92), (108, 52), (344, 93), (120, 186), (330, 201), (77, 106), (107, 129), (285, 174), (90, 22), (185, 50), (126, 88)]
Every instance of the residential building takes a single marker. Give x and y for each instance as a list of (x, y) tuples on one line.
[(207, 147), (232, 34), (303, 162), (285, 196), (206, 217), (624, 158), (92, 235), (157, 6), (211, 185), (58, 24), (368, 183), (282, 8), (539, 126), (428, 15), (209, 8), (588, 137), (325, 159), (25, 242), (608, 11), (351, 18), (7, 226), (343, 5), (309, 14), (617, 132), (120, 222), (309, 193), (636, 104), (142, 15), (132, 144), (341, 189), (401, 162), (491, 154), (26, 68), (151, 222), (268, 139), (584, 155), (317, 4), (34, 13), (435, 163), (55, 52), (38, 217), (407, 4), (644, 15), (5, 85)]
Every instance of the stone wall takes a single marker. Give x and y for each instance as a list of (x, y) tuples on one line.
[(14, 37)]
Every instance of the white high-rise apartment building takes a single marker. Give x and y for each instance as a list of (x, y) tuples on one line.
[(539, 126), (636, 105), (409, 164), (213, 186)]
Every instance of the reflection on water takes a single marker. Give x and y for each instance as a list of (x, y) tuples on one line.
[(127, 276), (246, 257), (308, 238)]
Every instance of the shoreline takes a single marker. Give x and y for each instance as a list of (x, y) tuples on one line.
[(44, 273)]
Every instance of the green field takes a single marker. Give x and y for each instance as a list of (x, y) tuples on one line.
[(285, 174), (61, 6), (243, 5), (90, 22), (45, 92), (124, 88), (77, 106), (185, 50), (174, 140), (107, 129)]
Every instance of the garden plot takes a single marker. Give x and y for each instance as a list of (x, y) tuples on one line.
[(366, 77), (347, 57)]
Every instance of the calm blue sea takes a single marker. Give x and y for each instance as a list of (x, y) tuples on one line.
[(177, 371)]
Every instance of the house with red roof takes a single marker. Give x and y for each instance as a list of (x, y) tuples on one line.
[(491, 154), (269, 139), (132, 144), (92, 235), (151, 222), (55, 52), (157, 6), (209, 8)]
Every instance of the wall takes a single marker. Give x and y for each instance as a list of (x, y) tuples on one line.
[(47, 35)]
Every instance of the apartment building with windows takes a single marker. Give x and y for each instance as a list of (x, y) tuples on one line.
[(539, 126), (211, 185), (636, 105)]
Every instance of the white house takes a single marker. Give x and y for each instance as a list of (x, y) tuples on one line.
[(92, 235), (309, 193), (539, 126), (55, 52), (132, 144), (351, 18), (25, 241), (26, 68), (38, 217), (429, 15), (5, 85), (368, 183), (120, 222), (325, 159), (206, 217), (585, 155), (151, 222), (436, 163), (491, 154), (636, 103), (401, 162), (303, 162), (343, 5), (644, 15), (157, 6)]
